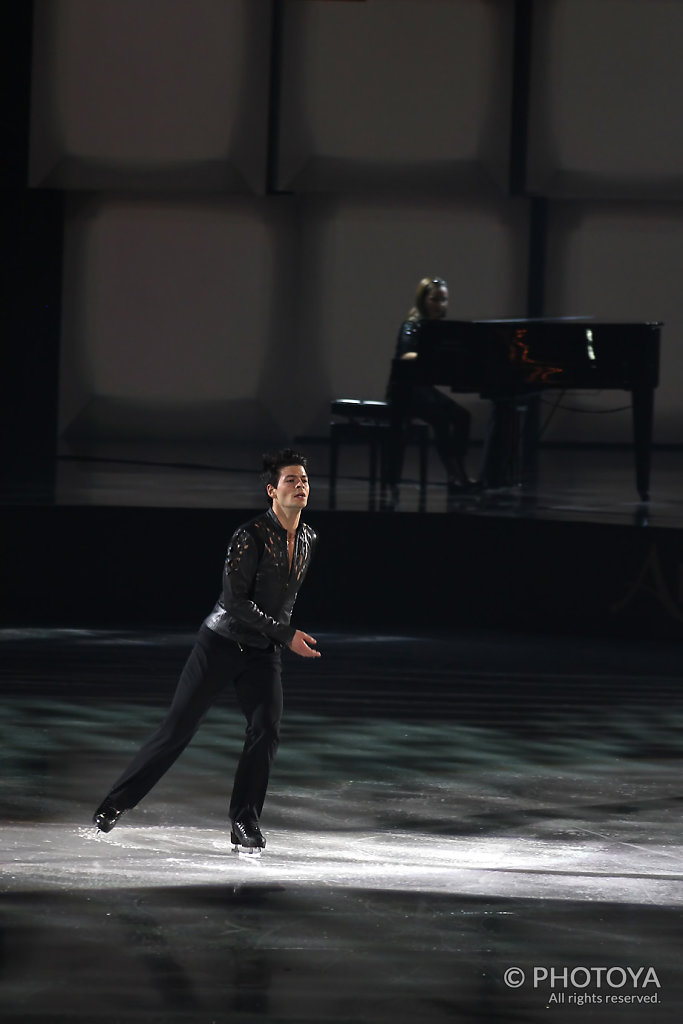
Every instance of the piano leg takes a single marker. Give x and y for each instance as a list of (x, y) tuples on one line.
[(505, 457), (643, 414)]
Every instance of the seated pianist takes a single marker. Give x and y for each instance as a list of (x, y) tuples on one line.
[(512, 362), (449, 421)]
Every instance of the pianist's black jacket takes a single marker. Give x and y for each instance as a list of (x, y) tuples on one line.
[(259, 590), (408, 339)]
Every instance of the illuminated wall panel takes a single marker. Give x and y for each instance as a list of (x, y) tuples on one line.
[(620, 261), (395, 93), (170, 310), (607, 81), (364, 260), (165, 94)]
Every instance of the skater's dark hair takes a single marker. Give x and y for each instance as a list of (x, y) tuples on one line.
[(273, 463)]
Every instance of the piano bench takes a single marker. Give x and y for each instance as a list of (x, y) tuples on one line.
[(365, 421)]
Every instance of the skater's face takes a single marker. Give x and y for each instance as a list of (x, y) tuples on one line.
[(292, 489)]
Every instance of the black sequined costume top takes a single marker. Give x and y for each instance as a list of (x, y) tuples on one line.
[(259, 588)]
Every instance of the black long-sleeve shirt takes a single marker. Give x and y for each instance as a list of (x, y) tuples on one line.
[(259, 588)]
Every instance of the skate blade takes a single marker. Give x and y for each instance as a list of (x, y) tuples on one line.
[(247, 851)]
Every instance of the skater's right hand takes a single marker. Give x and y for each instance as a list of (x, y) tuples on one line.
[(299, 644)]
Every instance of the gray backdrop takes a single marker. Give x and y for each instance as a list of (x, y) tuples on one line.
[(198, 305)]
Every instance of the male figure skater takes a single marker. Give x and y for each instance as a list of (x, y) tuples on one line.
[(239, 642)]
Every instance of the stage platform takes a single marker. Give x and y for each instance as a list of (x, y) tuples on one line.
[(580, 484), (131, 536)]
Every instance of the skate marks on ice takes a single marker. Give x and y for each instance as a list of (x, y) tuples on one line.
[(62, 857)]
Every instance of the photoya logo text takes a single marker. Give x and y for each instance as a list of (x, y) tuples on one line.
[(584, 977)]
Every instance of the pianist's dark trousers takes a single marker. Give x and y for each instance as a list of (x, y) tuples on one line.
[(449, 421), (213, 663)]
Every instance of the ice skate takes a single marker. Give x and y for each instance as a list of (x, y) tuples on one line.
[(246, 838), (106, 816)]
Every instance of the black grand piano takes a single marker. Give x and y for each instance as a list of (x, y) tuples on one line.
[(510, 361)]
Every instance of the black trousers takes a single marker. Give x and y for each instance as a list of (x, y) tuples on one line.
[(213, 663), (449, 421)]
